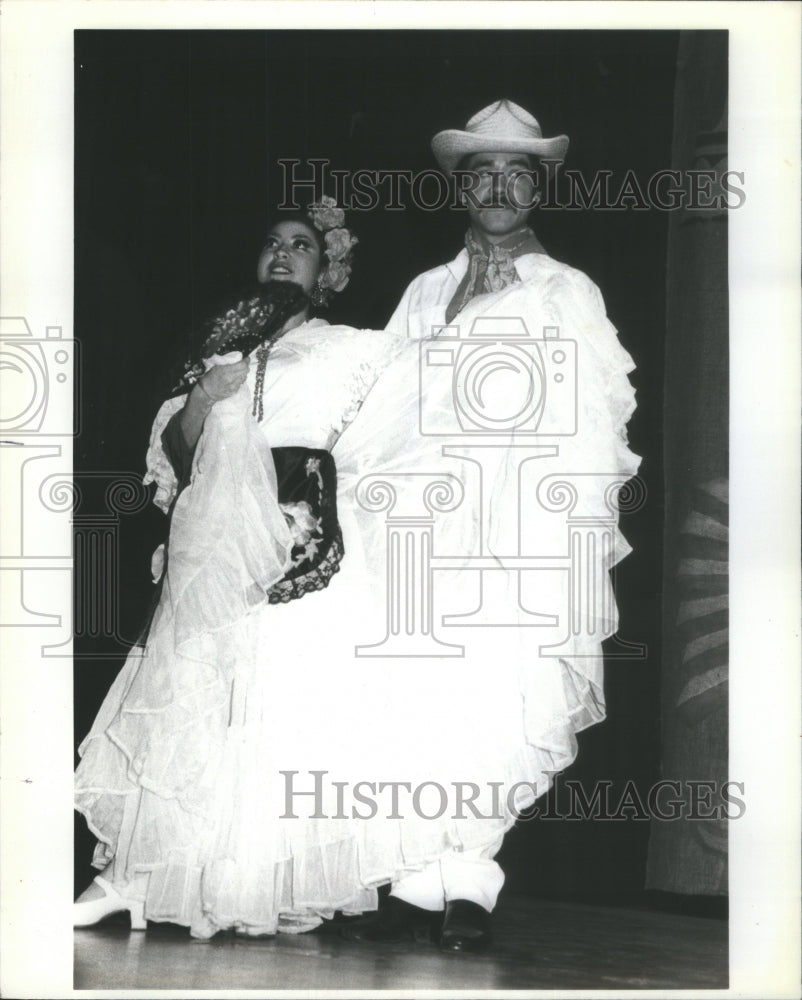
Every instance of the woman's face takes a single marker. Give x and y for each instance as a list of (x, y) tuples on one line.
[(291, 253)]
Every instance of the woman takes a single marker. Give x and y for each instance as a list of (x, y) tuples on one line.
[(265, 766), (174, 767)]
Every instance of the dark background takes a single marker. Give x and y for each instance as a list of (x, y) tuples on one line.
[(177, 134)]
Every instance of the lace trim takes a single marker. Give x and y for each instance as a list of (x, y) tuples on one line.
[(316, 579)]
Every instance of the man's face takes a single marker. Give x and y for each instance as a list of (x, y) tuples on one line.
[(504, 195)]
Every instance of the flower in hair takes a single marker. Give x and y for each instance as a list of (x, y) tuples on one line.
[(339, 245), (339, 242), (335, 277), (325, 214)]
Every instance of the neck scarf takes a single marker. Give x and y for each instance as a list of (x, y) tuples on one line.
[(491, 266)]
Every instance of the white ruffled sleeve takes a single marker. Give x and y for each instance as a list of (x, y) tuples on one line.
[(576, 305), (159, 468)]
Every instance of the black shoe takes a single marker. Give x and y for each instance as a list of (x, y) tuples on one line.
[(396, 920), (466, 927)]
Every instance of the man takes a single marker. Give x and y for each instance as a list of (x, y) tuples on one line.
[(493, 161)]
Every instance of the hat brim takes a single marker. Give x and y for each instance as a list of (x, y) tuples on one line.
[(450, 146)]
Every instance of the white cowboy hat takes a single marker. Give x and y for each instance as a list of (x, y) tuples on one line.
[(502, 127)]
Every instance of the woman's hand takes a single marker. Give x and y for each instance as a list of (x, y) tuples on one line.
[(222, 381)]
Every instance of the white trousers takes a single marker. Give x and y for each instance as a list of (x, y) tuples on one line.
[(472, 875)]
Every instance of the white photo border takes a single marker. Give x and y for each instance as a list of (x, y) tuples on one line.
[(36, 261)]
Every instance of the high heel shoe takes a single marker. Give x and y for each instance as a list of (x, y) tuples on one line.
[(92, 911)]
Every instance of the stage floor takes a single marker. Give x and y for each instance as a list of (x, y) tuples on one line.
[(540, 944)]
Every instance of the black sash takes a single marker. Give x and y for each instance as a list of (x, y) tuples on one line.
[(308, 476)]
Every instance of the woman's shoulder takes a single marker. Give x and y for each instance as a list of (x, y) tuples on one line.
[(319, 330), (347, 346)]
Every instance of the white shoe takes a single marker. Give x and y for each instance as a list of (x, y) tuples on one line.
[(91, 911)]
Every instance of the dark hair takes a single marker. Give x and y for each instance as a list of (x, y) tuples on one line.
[(299, 216), (534, 161)]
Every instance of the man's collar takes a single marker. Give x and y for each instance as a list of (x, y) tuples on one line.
[(525, 266)]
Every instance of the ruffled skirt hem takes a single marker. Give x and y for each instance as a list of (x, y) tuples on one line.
[(230, 851)]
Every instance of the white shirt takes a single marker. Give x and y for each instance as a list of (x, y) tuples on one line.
[(422, 309)]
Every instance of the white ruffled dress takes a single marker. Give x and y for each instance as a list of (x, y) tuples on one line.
[(249, 770)]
